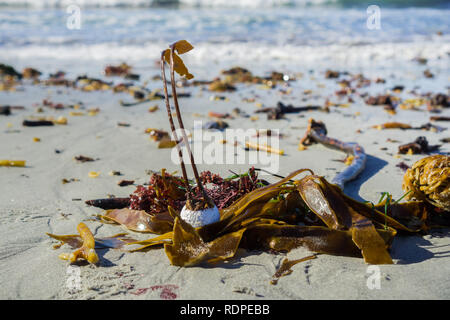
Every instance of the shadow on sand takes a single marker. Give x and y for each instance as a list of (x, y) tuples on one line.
[(373, 165)]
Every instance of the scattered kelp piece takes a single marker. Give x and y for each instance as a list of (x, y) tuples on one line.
[(393, 125), (53, 105), (12, 163), (124, 183), (109, 203), (263, 147), (82, 158), (405, 126), (215, 125), (427, 73), (154, 95), (86, 245), (121, 70), (419, 146), (30, 73), (330, 74), (5, 110), (440, 100), (65, 181), (280, 110), (381, 100), (429, 180), (157, 135), (213, 114), (221, 86), (439, 118), (241, 75), (166, 143), (431, 127), (317, 133), (7, 70), (37, 123), (285, 268)]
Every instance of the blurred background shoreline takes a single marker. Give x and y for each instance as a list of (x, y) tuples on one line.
[(264, 35)]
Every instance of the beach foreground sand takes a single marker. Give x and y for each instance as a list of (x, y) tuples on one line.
[(33, 200)]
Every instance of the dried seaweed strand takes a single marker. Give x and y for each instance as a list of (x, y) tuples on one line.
[(180, 121), (172, 127), (316, 132), (285, 268)]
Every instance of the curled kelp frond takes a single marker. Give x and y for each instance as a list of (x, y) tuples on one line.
[(429, 180), (285, 268), (85, 244), (317, 132)]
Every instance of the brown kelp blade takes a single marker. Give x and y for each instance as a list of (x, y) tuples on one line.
[(182, 46), (141, 221), (152, 242), (188, 248), (327, 203), (178, 64), (284, 238), (259, 195)]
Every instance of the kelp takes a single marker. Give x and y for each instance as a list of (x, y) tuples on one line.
[(265, 219), (280, 217), (429, 180), (85, 244), (285, 268)]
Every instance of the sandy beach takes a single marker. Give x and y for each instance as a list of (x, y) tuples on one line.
[(48, 195)]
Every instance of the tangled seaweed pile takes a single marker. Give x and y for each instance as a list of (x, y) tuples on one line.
[(308, 212), (277, 217)]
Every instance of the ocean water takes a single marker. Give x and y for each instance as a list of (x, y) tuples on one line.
[(287, 34)]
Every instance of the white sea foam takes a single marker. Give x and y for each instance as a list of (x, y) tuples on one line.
[(435, 52)]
